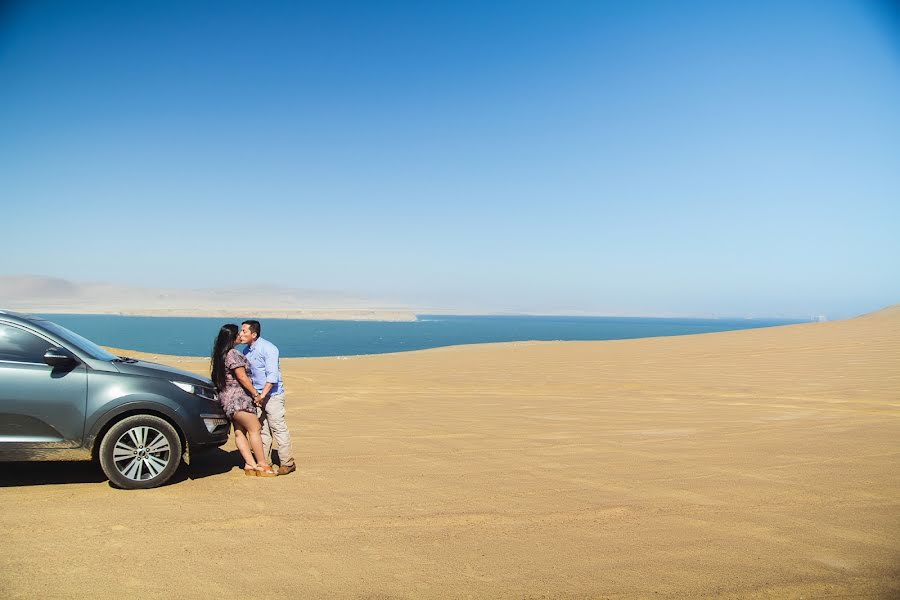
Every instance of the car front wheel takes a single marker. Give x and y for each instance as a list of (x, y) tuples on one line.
[(139, 452)]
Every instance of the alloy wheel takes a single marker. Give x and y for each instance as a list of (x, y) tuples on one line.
[(141, 453)]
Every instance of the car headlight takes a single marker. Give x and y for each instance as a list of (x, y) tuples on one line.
[(197, 390)]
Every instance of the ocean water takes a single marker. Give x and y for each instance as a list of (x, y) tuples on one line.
[(193, 336)]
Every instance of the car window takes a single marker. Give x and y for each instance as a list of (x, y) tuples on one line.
[(21, 346), (86, 345)]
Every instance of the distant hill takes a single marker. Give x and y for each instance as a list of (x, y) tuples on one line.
[(54, 295)]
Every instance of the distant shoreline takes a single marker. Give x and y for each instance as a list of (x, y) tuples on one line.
[(386, 315), (349, 314)]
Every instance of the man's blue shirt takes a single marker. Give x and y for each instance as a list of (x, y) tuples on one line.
[(263, 357)]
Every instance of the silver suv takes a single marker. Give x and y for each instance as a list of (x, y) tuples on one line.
[(63, 397)]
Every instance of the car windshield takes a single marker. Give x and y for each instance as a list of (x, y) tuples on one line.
[(83, 344)]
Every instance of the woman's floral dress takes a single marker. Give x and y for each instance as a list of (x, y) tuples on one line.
[(234, 397)]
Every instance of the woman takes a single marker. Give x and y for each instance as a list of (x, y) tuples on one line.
[(237, 396)]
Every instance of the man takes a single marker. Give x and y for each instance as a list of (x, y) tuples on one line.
[(265, 373)]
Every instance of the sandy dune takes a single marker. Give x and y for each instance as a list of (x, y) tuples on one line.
[(757, 464)]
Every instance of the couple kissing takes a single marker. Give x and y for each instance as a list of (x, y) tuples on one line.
[(251, 392)]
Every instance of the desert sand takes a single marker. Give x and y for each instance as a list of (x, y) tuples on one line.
[(751, 464)]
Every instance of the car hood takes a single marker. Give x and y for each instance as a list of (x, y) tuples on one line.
[(151, 369)]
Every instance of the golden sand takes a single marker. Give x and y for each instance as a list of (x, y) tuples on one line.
[(760, 464)]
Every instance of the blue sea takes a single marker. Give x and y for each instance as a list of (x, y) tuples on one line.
[(193, 336)]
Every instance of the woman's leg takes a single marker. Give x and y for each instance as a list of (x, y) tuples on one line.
[(250, 423), (240, 440)]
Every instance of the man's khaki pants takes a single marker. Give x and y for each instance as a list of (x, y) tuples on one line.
[(275, 427)]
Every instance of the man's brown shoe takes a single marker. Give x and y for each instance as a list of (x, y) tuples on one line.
[(285, 469)]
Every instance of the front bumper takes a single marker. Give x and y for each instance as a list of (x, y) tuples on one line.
[(215, 431)]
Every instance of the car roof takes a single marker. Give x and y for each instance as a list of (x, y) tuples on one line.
[(22, 316)]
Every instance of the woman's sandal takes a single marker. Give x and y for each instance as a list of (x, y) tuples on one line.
[(250, 471), (268, 471)]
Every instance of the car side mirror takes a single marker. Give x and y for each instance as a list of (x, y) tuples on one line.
[(57, 357)]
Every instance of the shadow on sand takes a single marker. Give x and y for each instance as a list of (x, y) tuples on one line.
[(207, 464)]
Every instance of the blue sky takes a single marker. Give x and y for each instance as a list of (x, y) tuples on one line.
[(643, 158)]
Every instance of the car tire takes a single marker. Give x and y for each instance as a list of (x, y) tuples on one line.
[(140, 452)]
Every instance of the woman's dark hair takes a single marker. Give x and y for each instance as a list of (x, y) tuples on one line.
[(224, 342)]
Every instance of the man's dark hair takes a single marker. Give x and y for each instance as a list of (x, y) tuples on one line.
[(254, 326)]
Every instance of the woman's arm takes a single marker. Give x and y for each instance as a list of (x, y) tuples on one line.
[(241, 374)]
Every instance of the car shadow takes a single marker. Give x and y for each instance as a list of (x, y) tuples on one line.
[(16, 474), (47, 473), (208, 464)]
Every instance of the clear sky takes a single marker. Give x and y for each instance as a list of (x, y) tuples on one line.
[(613, 157)]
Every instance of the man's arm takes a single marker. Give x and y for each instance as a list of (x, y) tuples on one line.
[(273, 373)]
